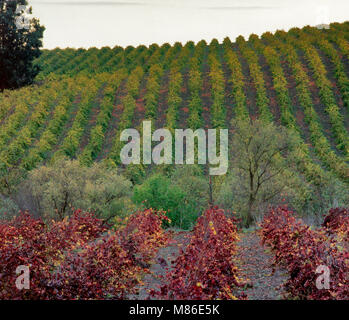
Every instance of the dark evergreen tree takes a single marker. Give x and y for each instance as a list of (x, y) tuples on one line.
[(20, 43)]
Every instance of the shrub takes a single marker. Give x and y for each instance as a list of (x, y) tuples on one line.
[(8, 208), (302, 250), (194, 185), (75, 258), (158, 192), (30, 242), (337, 221), (64, 185), (335, 218), (205, 270), (184, 195)]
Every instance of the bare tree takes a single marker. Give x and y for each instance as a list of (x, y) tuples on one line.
[(261, 152)]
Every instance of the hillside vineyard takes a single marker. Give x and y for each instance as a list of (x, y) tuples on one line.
[(83, 99)]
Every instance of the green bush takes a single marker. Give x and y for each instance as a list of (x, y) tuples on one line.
[(183, 194), (157, 192), (65, 185), (8, 208)]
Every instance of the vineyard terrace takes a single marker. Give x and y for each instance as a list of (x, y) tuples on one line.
[(162, 153)]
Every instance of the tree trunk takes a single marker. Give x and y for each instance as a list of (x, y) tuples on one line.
[(251, 200), (249, 218), (210, 193)]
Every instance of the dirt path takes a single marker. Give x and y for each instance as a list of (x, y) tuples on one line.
[(255, 263), (253, 260), (163, 261)]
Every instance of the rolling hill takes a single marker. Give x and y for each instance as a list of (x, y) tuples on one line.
[(83, 99)]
